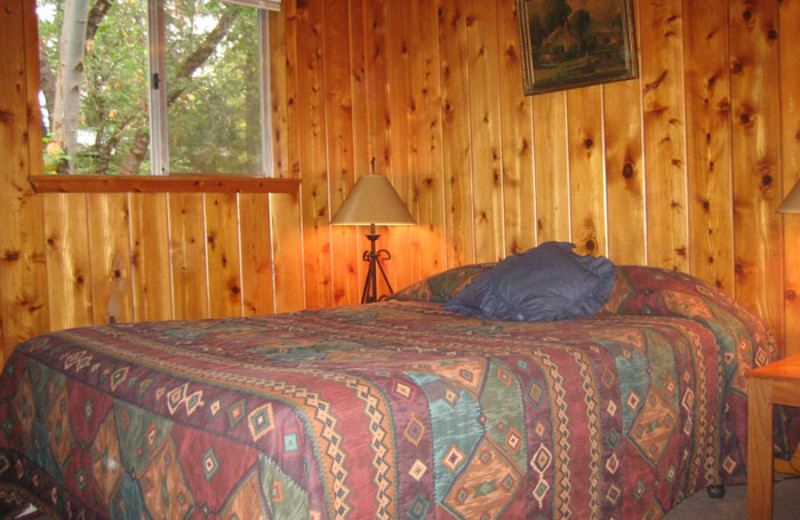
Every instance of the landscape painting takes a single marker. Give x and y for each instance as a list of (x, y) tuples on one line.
[(575, 43)]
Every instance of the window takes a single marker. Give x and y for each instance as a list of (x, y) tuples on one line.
[(139, 87)]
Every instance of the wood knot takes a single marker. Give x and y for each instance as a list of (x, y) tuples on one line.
[(627, 170)]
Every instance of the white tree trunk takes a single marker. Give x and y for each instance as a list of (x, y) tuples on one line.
[(70, 71)]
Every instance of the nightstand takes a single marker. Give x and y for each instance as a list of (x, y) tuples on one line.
[(776, 383)]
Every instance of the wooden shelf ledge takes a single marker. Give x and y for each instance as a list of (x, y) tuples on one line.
[(157, 184)]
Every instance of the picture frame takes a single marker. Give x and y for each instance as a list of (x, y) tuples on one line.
[(575, 43)]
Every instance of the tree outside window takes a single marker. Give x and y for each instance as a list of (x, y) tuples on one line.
[(170, 86)]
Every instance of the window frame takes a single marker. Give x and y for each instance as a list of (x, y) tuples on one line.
[(183, 181)]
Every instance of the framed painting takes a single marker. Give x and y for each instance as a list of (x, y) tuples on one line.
[(574, 43)]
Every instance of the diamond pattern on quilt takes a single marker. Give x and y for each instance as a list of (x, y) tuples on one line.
[(419, 508), (236, 412), (488, 484), (653, 426), (59, 430), (165, 473), (415, 430), (246, 502), (261, 421), (453, 458), (210, 464), (106, 458), (418, 470)]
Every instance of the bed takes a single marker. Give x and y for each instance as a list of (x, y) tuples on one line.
[(395, 410)]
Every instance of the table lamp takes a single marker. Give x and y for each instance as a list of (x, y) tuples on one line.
[(373, 202), (791, 204)]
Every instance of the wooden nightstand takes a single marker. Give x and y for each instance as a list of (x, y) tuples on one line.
[(776, 383)]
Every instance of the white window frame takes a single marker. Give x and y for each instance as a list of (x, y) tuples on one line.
[(159, 139)]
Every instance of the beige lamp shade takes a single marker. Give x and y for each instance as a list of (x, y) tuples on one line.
[(373, 200), (791, 204)]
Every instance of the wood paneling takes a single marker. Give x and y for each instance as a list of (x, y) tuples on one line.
[(789, 18), (755, 144), (681, 168)]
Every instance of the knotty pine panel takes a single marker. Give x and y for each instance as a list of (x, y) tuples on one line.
[(24, 307), (456, 133), (789, 20), (149, 232), (426, 131), (585, 123), (664, 133), (339, 145), (519, 219), (755, 112), (109, 254), (312, 152), (257, 283), (551, 165), (487, 179), (707, 84), (624, 173), (222, 250), (67, 256), (681, 168), (400, 158)]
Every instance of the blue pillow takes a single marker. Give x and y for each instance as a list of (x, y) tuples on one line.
[(546, 283)]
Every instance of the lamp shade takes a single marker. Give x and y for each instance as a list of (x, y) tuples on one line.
[(791, 204), (373, 200)]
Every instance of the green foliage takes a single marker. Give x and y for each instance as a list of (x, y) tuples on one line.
[(211, 125)]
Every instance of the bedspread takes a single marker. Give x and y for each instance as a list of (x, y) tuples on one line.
[(384, 411)]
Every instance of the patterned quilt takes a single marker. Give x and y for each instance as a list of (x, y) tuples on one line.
[(394, 410)]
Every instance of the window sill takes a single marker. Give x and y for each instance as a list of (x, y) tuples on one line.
[(155, 184)]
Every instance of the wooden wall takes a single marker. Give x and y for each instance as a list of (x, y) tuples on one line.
[(682, 168)]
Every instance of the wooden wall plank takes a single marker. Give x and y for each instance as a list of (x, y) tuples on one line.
[(23, 276), (756, 156), (426, 131), (359, 84), (339, 145), (516, 111), (223, 250), (624, 168), (188, 256), (151, 275), (552, 170), (483, 85), (68, 265), (664, 133), (256, 250), (110, 254), (287, 253), (789, 19), (286, 216), (312, 154), (279, 94), (708, 153), (456, 134), (587, 178), (404, 266)]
